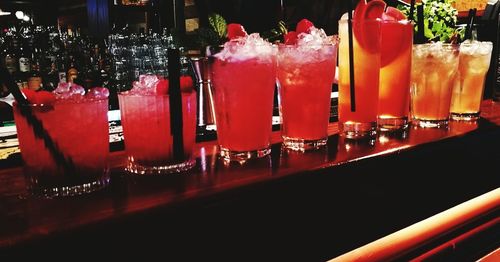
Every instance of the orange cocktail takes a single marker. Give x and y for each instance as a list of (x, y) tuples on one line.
[(244, 76), (468, 91), (434, 71), (395, 74), (362, 121)]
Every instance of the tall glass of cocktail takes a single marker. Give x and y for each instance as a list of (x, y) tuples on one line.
[(360, 121), (434, 73), (395, 71), (145, 117), (474, 62), (244, 75), (78, 126), (306, 71)]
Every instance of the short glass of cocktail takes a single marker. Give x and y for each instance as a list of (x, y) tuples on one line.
[(147, 129), (306, 70), (244, 77), (434, 72), (474, 62), (74, 158), (395, 71), (359, 119)]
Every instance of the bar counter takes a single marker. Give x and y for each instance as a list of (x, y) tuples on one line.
[(309, 206)]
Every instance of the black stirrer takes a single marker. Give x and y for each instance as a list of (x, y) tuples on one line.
[(40, 132), (421, 26), (470, 23), (176, 124), (412, 9), (351, 58)]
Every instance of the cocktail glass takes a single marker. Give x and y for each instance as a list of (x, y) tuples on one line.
[(244, 76), (362, 121), (145, 118), (80, 130), (434, 71), (305, 74), (474, 62), (395, 75)]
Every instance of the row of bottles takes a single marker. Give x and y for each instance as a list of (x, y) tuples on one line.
[(41, 57)]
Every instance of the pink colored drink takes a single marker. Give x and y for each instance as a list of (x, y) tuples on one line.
[(306, 78), (80, 130), (146, 128), (244, 104)]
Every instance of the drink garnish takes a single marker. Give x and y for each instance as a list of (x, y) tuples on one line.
[(364, 33), (162, 87), (235, 30), (291, 38), (304, 26)]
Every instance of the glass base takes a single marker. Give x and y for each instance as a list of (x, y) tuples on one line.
[(135, 168), (243, 156), (465, 116), (302, 145), (388, 124), (355, 130), (67, 191), (430, 123)]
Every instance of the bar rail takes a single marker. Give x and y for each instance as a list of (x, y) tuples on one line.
[(349, 192)]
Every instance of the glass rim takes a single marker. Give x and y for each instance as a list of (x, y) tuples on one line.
[(63, 102), (475, 43)]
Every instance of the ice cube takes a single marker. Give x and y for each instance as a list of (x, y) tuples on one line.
[(62, 88), (97, 93)]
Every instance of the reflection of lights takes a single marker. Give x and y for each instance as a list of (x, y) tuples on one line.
[(347, 147), (4, 13), (383, 139), (26, 18), (19, 14)]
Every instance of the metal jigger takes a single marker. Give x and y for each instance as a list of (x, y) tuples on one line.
[(206, 112)]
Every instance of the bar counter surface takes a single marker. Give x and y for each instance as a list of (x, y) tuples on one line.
[(309, 206)]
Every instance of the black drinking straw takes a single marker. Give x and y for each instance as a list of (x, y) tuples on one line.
[(174, 91), (412, 9), (40, 132), (470, 23), (421, 30), (351, 57)]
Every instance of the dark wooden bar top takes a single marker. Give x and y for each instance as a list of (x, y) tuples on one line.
[(280, 207)]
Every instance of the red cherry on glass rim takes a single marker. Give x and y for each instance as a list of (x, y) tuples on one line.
[(186, 84), (30, 95), (304, 26), (162, 87), (235, 31), (367, 33), (44, 97), (291, 38)]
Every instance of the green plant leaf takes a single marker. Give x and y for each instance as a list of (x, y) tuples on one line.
[(218, 24)]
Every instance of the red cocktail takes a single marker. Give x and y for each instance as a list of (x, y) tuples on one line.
[(145, 117), (306, 71), (244, 74), (79, 128)]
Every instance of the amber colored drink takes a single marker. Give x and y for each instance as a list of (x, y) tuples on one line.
[(146, 128), (243, 96), (433, 75), (474, 62), (395, 74), (80, 130), (306, 78), (362, 121)]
